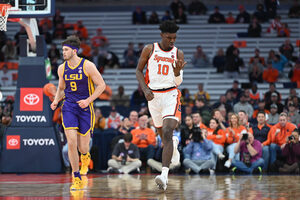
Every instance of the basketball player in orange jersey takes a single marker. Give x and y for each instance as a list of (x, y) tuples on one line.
[(164, 73), (77, 77)]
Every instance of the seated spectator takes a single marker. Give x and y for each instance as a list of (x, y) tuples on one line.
[(110, 60), (292, 94), (219, 61), (125, 157), (100, 121), (260, 14), (85, 50), (273, 116), (294, 11), (260, 108), (6, 78), (114, 119), (233, 134), (243, 16), (250, 151), (271, 55), (233, 64), (175, 5), (199, 59), (153, 18), (60, 32), (144, 138), (202, 107), (294, 74), (244, 119), (130, 59), (126, 127), (261, 60), (284, 31), (230, 19), (255, 74), (140, 49), (236, 92), (275, 100), (187, 130), (138, 97), (180, 18), (216, 17), (166, 16), (198, 154), (275, 25), (243, 104), (99, 40), (287, 49), (186, 98), (268, 94), (255, 95), (106, 94), (220, 117), (46, 21), (270, 74), (260, 132), (293, 114), (197, 121), (139, 16), (254, 28), (196, 7), (44, 30), (271, 8), (277, 136), (291, 154), (53, 52), (201, 94), (57, 19), (120, 99), (81, 30), (134, 118), (279, 62), (9, 50), (130, 47)]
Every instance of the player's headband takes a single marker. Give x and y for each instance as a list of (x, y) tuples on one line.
[(72, 47)]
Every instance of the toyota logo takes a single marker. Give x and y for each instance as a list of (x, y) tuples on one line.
[(13, 142), (31, 99)]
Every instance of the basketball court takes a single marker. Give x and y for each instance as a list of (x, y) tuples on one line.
[(107, 186)]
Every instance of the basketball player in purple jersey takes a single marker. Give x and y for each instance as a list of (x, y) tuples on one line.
[(77, 77), (164, 73)]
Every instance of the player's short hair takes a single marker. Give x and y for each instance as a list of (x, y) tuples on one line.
[(72, 41), (168, 27)]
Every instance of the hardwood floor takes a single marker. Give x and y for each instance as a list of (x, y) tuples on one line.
[(98, 186)]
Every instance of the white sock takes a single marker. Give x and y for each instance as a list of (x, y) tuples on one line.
[(165, 172)]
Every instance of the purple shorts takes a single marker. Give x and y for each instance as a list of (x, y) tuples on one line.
[(74, 117)]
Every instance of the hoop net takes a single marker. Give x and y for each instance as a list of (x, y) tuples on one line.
[(3, 16)]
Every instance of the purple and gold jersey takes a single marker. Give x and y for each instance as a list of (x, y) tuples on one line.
[(78, 85)]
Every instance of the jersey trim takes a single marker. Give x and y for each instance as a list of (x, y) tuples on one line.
[(76, 65), (164, 50)]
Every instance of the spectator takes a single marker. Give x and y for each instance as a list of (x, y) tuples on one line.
[(201, 94), (139, 16), (180, 18), (187, 111), (46, 21), (9, 50), (230, 19), (130, 47), (204, 110), (244, 119), (81, 30), (120, 99), (271, 55), (294, 11), (53, 53), (220, 117), (175, 5), (260, 14), (144, 138), (294, 74), (255, 95), (126, 127), (130, 59), (277, 136), (271, 8), (110, 60), (254, 28), (273, 116), (60, 32), (243, 16), (99, 40), (186, 99), (197, 121), (291, 153), (44, 30), (133, 118), (219, 61), (236, 91), (250, 151), (216, 17), (114, 119), (166, 16), (292, 94), (200, 59), (260, 132), (85, 50), (222, 104), (270, 74), (153, 19), (106, 94), (284, 31), (187, 130), (287, 49), (233, 64), (255, 73), (279, 62), (272, 88), (198, 154), (275, 25), (261, 60), (274, 100), (196, 7), (233, 134), (5, 76), (100, 121), (293, 114), (260, 108), (125, 157), (138, 97), (140, 49), (57, 19)]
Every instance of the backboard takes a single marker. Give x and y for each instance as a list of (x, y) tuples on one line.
[(30, 8)]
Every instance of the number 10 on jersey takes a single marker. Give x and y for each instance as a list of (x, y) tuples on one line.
[(164, 70)]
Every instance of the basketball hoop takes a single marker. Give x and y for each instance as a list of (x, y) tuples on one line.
[(3, 16)]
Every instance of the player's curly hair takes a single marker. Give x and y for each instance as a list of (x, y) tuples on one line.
[(168, 27), (73, 41)]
